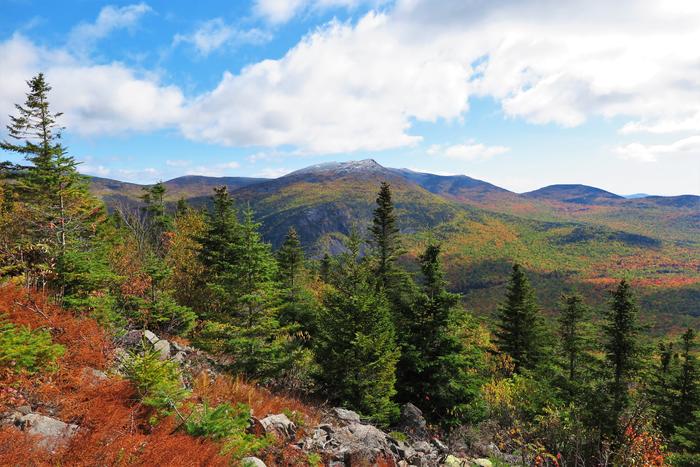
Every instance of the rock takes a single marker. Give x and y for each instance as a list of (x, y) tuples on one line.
[(280, 425), (412, 422), (24, 409), (423, 446), (452, 461), (347, 416), (163, 347), (354, 444), (93, 374), (252, 462), (481, 462), (180, 357), (150, 337), (440, 446), (54, 433), (131, 338)]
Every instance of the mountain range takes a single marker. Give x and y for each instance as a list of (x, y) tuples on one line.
[(566, 236)]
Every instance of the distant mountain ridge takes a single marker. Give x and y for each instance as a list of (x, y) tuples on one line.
[(567, 236)]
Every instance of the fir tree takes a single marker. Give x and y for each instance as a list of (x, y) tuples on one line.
[(519, 331), (687, 384), (573, 312), (61, 211), (290, 261), (159, 222), (435, 370), (384, 236), (356, 346), (621, 349)]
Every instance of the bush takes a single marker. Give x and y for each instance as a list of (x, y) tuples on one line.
[(25, 350), (157, 382), (227, 423), (221, 422)]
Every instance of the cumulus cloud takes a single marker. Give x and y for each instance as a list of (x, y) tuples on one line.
[(650, 152), (109, 19), (469, 151), (96, 99), (350, 86), (216, 33)]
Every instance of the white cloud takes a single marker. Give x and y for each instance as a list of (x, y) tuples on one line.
[(469, 151), (215, 33), (281, 11), (98, 170), (96, 99), (361, 86), (650, 152), (109, 19), (217, 170)]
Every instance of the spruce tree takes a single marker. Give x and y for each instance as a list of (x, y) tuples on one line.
[(384, 236), (687, 383), (573, 312), (290, 261), (158, 220), (621, 350), (435, 371), (356, 345), (62, 214), (519, 332)]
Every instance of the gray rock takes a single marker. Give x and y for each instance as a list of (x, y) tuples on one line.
[(280, 425), (180, 357), (423, 446), (163, 347), (150, 337), (440, 446), (412, 422), (354, 444), (252, 462), (54, 433), (24, 409), (345, 415), (482, 462), (93, 374)]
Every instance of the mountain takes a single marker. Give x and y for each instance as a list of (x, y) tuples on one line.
[(566, 236), (579, 194), (636, 195)]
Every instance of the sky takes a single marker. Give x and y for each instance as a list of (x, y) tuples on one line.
[(522, 94)]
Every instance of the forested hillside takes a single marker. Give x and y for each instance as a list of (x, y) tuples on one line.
[(184, 328), (565, 235)]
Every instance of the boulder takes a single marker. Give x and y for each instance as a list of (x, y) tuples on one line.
[(423, 446), (163, 348), (452, 461), (345, 415), (354, 444), (412, 422), (180, 357), (252, 462), (150, 337), (280, 425), (54, 433), (440, 446), (481, 462)]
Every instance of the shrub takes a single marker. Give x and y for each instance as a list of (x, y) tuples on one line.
[(220, 422), (158, 383), (27, 350)]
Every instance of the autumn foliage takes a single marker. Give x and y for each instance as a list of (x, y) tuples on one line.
[(114, 426)]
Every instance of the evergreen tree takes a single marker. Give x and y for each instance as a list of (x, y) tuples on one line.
[(61, 212), (435, 370), (290, 261), (687, 384), (519, 331), (384, 236), (573, 312), (621, 349), (159, 223), (356, 346)]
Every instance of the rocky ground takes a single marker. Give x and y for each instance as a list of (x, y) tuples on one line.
[(341, 439)]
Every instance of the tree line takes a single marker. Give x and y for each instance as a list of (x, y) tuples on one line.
[(356, 328)]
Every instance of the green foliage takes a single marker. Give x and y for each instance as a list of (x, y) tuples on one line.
[(385, 239), (356, 346), (435, 370), (157, 382), (520, 332), (621, 349), (223, 421), (26, 350)]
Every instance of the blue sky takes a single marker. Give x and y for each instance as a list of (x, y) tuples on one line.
[(521, 94)]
